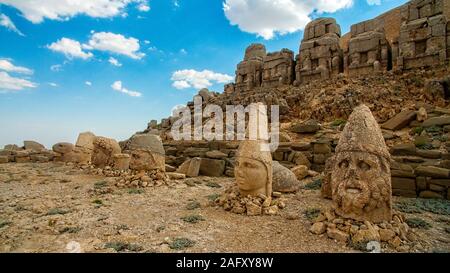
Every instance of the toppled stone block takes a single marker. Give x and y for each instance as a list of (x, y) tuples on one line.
[(283, 179), (399, 121), (33, 145), (212, 167)]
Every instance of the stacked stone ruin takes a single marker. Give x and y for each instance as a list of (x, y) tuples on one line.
[(421, 39)]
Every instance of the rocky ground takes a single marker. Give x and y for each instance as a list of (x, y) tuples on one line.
[(51, 207)]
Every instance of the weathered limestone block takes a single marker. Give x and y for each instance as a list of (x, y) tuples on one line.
[(249, 72), (190, 167), (22, 156), (12, 147), (121, 162), (4, 159), (33, 145), (212, 167), (283, 179), (361, 178), (400, 120), (320, 55), (253, 168), (278, 68), (104, 150)]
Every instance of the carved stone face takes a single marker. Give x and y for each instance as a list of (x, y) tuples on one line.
[(360, 184), (251, 176), (146, 160)]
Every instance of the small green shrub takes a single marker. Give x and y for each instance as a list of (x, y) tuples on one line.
[(338, 122), (4, 223), (193, 219), (135, 191), (120, 246), (418, 223), (193, 205), (213, 185), (181, 243), (56, 211), (70, 230), (100, 184), (97, 202), (315, 185), (311, 213), (213, 197)]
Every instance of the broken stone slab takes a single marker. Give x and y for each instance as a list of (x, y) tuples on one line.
[(190, 167), (430, 195), (283, 179), (403, 173), (403, 149), (170, 168), (301, 146), (433, 154), (12, 147), (400, 121), (404, 193), (403, 183), (308, 127), (216, 154), (175, 176), (4, 159), (431, 171), (33, 145), (300, 171), (212, 167), (436, 121)]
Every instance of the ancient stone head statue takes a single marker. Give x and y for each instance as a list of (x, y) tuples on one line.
[(361, 178), (253, 169)]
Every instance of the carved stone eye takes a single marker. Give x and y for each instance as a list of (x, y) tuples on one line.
[(343, 164), (363, 165)]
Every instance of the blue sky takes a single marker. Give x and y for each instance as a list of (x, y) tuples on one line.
[(129, 53)]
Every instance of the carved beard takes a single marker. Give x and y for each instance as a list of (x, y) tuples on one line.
[(370, 196)]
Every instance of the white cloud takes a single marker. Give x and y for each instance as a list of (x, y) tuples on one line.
[(56, 67), (374, 2), (70, 48), (7, 66), (88, 83), (114, 62), (38, 10), (5, 21), (116, 43), (117, 86), (10, 83), (183, 51), (176, 3), (187, 78), (146, 42), (266, 18), (52, 84), (144, 7)]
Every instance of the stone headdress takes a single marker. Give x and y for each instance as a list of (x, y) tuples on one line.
[(362, 134)]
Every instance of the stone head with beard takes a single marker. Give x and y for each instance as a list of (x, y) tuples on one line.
[(361, 177)]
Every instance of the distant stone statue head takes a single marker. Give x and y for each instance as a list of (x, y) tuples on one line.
[(253, 169), (147, 153), (361, 178), (255, 51)]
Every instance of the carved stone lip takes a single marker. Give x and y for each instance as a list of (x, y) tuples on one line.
[(353, 190)]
